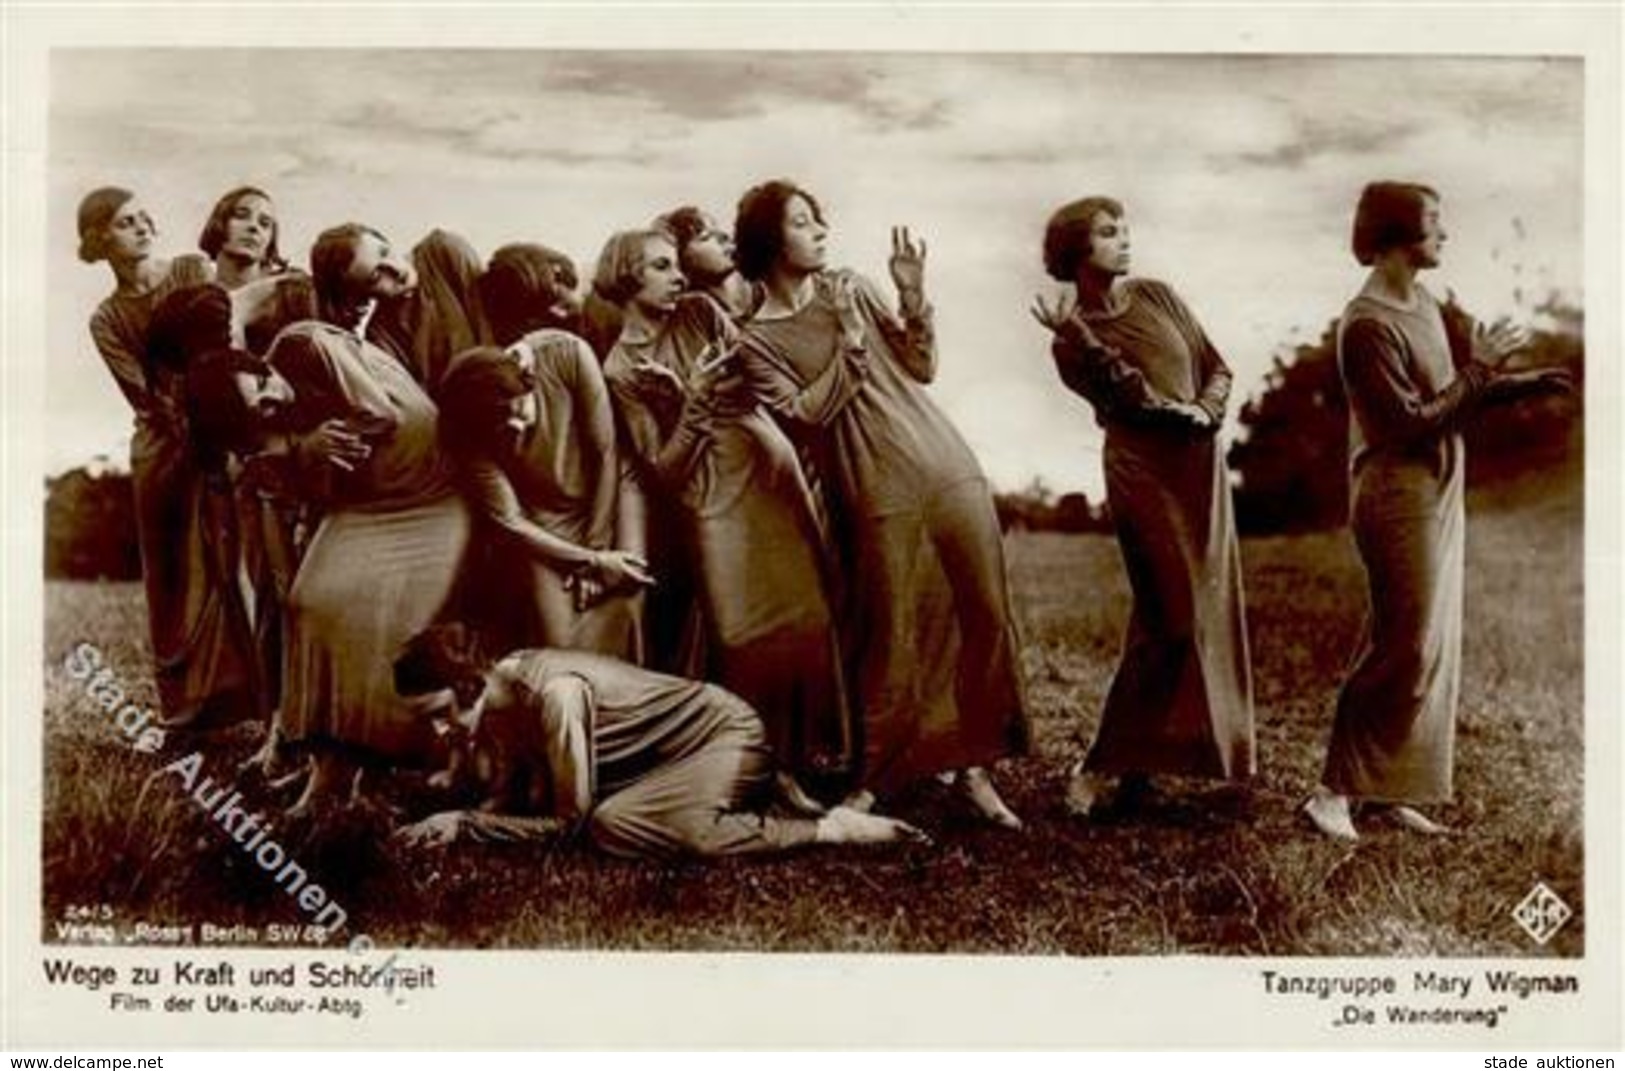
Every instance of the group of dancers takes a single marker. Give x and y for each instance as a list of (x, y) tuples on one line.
[(694, 563)]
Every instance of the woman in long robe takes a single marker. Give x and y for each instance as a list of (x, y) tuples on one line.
[(1412, 382), (384, 558), (535, 440), (241, 238), (535, 431), (204, 671), (1181, 701), (931, 633), (703, 442)]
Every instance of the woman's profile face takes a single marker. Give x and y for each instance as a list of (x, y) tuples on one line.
[(711, 252), (1108, 244), (250, 228), (804, 235), (660, 279), (1429, 251), (130, 232), (378, 271)]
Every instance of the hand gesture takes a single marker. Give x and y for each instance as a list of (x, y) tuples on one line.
[(843, 825), (655, 379), (339, 444), (1184, 414), (435, 831), (621, 569), (907, 263), (1528, 383), (1495, 343), (1063, 319), (714, 375)]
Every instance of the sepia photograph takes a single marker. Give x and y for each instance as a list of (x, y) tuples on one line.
[(1063, 504)]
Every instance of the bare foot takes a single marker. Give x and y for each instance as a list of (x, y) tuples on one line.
[(1085, 790), (329, 774), (979, 790), (1414, 820), (861, 800), (795, 797), (270, 762), (1330, 814)]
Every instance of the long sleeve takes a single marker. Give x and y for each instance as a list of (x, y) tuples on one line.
[(491, 496), (1115, 388), (673, 457), (910, 335), (1388, 402), (121, 358), (567, 727), (1211, 374), (817, 402)]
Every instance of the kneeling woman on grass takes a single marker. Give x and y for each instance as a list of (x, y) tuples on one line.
[(650, 765)]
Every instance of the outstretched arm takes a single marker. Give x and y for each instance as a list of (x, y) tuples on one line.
[(1389, 403)]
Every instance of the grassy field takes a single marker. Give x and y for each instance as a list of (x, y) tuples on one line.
[(1198, 870)]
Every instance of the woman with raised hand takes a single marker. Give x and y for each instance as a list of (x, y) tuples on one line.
[(913, 513), (701, 441), (204, 675), (1181, 701), (1414, 375)]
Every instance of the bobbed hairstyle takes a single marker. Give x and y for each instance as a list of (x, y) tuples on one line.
[(522, 288), (1388, 216), (96, 210), (619, 273), (213, 238), (474, 396), (448, 655), (759, 225), (1067, 235), (330, 260)]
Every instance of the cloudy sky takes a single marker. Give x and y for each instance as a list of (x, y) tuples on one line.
[(1239, 174)]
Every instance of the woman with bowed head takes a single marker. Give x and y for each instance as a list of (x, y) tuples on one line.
[(440, 315), (702, 442), (1414, 374), (393, 530), (204, 673), (534, 430), (1181, 701), (913, 513)]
